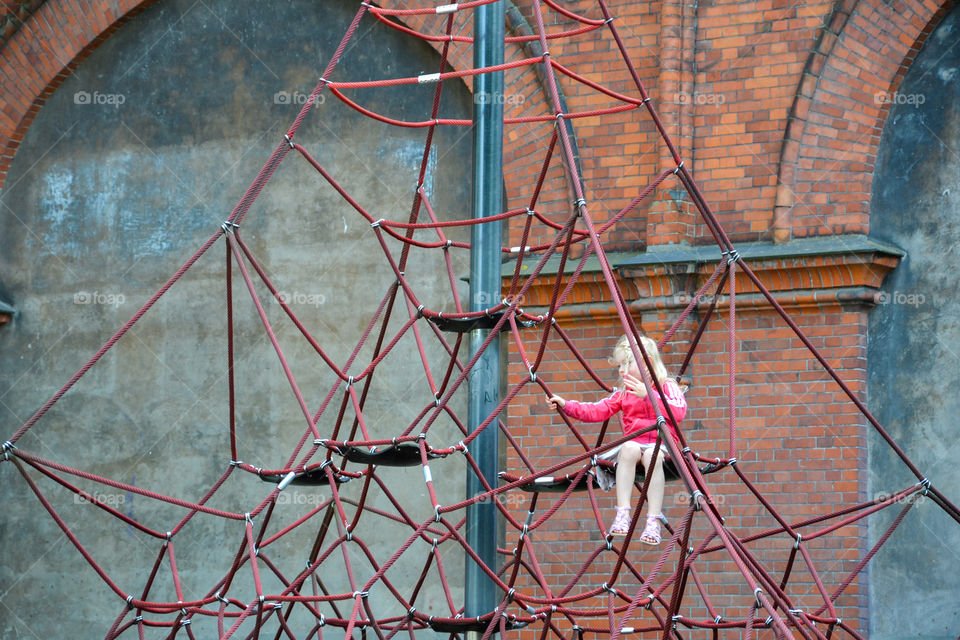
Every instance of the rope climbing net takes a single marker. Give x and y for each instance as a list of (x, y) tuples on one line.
[(349, 584)]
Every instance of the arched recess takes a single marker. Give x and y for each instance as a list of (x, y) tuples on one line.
[(104, 200), (913, 335), (43, 53), (843, 99)]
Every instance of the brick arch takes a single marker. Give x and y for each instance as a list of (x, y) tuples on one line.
[(44, 52), (862, 54)]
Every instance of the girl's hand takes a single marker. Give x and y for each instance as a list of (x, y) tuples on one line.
[(634, 386), (557, 402)]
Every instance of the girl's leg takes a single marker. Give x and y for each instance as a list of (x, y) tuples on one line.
[(630, 454), (657, 482), (654, 468)]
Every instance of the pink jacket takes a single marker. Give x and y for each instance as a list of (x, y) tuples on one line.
[(635, 413)]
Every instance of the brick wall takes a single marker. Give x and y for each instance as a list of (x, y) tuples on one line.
[(798, 438)]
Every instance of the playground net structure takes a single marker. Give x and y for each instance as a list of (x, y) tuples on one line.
[(350, 582)]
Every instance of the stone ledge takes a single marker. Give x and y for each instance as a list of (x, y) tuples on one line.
[(757, 251), (811, 271)]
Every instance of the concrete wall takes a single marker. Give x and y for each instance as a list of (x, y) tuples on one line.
[(913, 338), (128, 168)]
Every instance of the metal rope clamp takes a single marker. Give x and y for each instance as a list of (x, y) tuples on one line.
[(695, 500)]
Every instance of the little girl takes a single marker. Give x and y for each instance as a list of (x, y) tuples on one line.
[(636, 412)]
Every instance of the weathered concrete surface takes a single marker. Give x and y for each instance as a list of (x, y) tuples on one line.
[(914, 344), (129, 168)]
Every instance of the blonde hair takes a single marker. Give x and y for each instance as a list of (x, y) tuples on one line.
[(649, 347)]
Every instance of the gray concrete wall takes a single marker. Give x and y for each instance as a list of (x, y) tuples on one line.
[(913, 353), (128, 168)]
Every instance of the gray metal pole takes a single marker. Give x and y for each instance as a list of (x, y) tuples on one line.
[(484, 382)]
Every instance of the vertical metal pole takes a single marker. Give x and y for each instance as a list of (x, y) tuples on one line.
[(484, 382)]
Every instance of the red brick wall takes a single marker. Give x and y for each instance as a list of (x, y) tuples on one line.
[(799, 439)]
